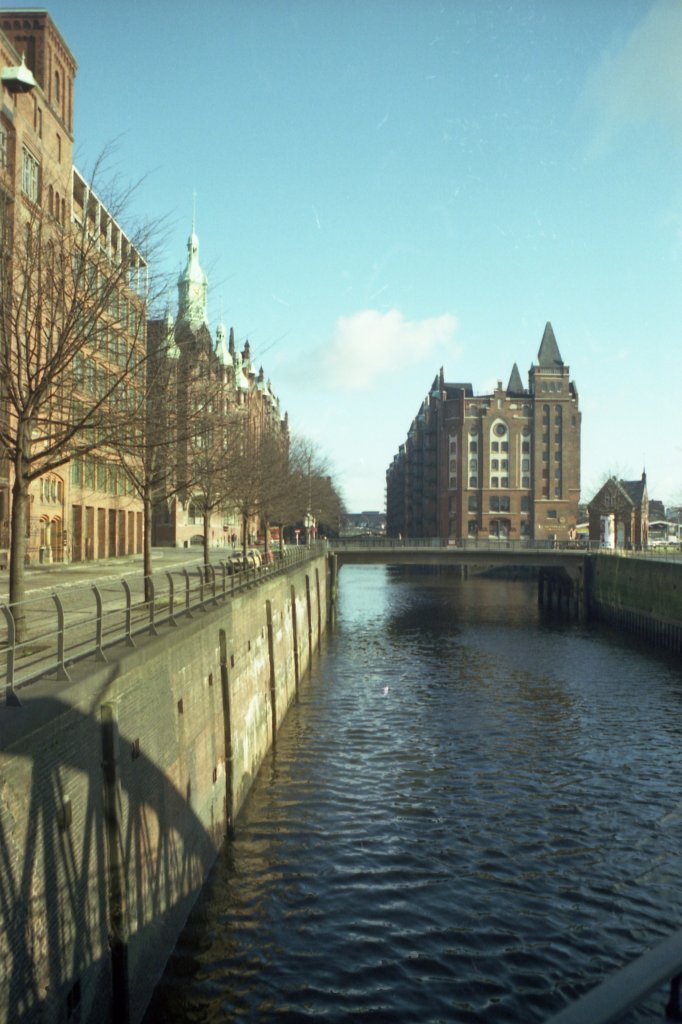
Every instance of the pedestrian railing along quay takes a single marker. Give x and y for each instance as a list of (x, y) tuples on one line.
[(626, 989), (70, 623)]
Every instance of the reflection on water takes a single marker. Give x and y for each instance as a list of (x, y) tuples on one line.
[(473, 813)]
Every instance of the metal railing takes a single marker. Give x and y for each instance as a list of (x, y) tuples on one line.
[(504, 544), (625, 990), (65, 624)]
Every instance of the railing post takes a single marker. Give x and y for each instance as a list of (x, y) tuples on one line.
[(153, 631), (171, 616), (211, 569), (129, 615), (11, 698), (188, 610), (99, 616), (223, 566), (201, 588), (61, 667)]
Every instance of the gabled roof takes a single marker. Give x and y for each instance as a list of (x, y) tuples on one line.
[(549, 357), (635, 490), (630, 492)]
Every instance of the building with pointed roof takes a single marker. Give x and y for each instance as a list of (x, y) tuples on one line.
[(216, 394), (619, 514), (505, 464)]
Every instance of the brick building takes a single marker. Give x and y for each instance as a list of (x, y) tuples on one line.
[(619, 514), (83, 508), (219, 402), (506, 464)]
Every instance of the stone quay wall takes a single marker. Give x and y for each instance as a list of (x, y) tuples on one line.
[(640, 595), (117, 790)]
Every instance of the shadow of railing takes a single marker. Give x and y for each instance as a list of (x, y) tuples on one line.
[(55, 868)]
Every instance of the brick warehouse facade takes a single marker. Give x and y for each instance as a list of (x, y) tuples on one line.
[(85, 507), (506, 464)]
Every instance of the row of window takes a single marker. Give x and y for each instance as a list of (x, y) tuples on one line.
[(51, 490), (105, 476)]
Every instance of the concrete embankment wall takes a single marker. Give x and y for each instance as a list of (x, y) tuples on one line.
[(640, 595), (118, 788)]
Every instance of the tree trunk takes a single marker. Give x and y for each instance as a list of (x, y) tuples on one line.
[(207, 525), (18, 548), (147, 543)]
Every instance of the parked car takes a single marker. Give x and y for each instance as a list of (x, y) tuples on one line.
[(253, 558)]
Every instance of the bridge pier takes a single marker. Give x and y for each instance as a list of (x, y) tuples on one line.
[(562, 591)]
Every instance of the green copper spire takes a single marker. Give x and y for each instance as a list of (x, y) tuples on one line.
[(193, 283)]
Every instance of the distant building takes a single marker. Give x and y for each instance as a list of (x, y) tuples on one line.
[(619, 514), (505, 464), (374, 522)]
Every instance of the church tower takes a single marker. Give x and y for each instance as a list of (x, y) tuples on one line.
[(193, 286)]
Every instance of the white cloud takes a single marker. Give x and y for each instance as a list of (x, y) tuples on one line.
[(370, 345), (643, 81)]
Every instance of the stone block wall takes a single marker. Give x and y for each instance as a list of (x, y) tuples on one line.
[(118, 788)]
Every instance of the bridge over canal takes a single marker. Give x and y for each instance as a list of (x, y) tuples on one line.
[(561, 570)]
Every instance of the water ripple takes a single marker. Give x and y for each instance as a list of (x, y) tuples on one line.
[(482, 840)]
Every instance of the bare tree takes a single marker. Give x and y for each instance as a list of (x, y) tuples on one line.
[(72, 327)]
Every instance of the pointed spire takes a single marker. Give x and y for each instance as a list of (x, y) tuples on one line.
[(231, 345), (515, 385), (549, 357), (193, 283)]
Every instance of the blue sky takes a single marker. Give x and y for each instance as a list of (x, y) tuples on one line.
[(385, 187)]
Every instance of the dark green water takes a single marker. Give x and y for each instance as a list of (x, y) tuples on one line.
[(473, 814)]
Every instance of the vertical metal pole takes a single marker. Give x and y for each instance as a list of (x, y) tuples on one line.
[(99, 616), (10, 696), (201, 588), (128, 616), (171, 616), (188, 610), (61, 667)]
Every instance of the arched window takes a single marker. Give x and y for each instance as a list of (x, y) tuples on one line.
[(499, 454)]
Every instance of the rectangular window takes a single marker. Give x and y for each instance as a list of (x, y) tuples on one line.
[(551, 513), (525, 503), (473, 503), (525, 447), (4, 146), (76, 473), (30, 175)]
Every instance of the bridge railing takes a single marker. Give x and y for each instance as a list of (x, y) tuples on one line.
[(502, 544), (69, 623)]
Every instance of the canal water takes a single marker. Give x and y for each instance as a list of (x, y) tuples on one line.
[(474, 813)]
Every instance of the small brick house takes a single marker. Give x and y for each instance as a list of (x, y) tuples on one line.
[(619, 514)]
